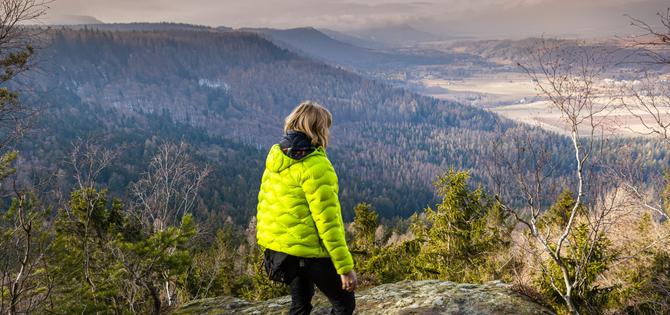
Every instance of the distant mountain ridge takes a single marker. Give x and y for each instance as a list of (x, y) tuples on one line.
[(395, 34), (71, 19), (314, 43), (513, 51), (311, 42), (353, 40), (336, 48), (166, 26)]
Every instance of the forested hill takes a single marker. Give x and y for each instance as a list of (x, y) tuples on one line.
[(226, 94), (235, 84), (316, 44)]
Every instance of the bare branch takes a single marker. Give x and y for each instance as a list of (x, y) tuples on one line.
[(88, 160), (568, 76), (169, 189)]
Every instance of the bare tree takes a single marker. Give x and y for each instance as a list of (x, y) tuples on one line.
[(169, 189), (568, 77), (88, 160), (22, 236), (643, 184), (14, 15), (23, 242), (16, 51), (654, 40), (648, 98)]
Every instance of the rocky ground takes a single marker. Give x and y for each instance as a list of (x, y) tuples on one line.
[(405, 297)]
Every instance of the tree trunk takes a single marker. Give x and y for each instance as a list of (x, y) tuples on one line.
[(155, 296), (571, 305)]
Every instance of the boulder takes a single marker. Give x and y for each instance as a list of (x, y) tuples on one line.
[(405, 297)]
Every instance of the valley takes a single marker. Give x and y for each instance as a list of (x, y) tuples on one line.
[(484, 74), (514, 96)]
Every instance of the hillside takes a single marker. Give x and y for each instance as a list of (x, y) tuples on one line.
[(619, 52), (145, 27), (317, 44), (226, 94), (353, 40), (395, 34)]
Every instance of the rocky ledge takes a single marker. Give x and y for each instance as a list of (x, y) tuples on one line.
[(405, 297)]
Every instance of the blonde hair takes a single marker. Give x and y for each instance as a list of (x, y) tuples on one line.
[(313, 120)]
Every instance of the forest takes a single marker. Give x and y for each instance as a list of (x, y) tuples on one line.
[(131, 162)]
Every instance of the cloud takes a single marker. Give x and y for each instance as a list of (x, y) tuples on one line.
[(475, 17)]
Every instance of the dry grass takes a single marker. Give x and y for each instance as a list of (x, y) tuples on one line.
[(634, 232), (513, 95)]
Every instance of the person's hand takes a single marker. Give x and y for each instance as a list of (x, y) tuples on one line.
[(349, 281)]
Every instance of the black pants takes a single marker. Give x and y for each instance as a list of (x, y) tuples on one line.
[(319, 271)]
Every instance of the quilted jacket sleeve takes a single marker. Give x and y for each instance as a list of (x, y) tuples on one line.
[(319, 182)]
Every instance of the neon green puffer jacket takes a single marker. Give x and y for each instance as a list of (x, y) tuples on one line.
[(299, 211)]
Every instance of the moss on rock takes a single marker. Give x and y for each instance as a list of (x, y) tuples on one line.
[(405, 297)]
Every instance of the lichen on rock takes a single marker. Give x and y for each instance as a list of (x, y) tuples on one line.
[(405, 297)]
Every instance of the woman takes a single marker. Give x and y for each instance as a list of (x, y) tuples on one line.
[(299, 213)]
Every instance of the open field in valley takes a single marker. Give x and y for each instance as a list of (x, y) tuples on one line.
[(514, 96)]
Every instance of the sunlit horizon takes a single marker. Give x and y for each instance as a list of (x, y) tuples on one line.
[(455, 18)]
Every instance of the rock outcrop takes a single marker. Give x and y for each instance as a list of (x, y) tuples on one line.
[(405, 297)]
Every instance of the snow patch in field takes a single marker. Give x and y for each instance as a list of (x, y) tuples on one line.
[(214, 84)]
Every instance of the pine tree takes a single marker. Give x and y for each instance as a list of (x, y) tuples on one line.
[(591, 253), (366, 222), (85, 275), (462, 237), (217, 269), (104, 260), (262, 288)]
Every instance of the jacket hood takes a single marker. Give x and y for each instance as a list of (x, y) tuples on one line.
[(296, 145), (293, 148)]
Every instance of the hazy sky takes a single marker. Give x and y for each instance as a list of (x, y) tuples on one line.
[(489, 18)]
